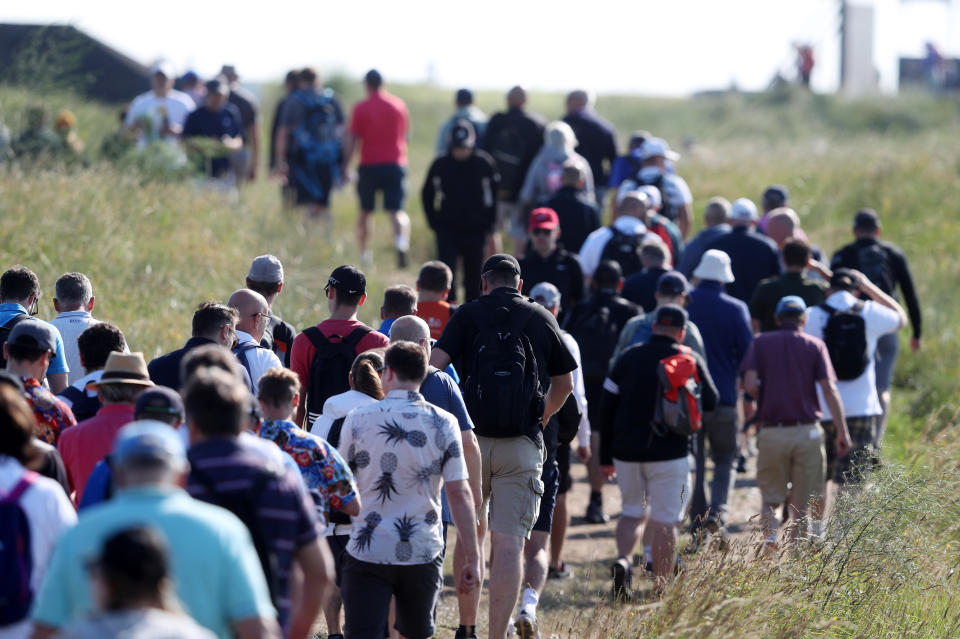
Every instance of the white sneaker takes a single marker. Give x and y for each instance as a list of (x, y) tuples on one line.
[(526, 625)]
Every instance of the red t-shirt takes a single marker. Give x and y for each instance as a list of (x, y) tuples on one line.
[(301, 355), (436, 315), (381, 122), (85, 444)]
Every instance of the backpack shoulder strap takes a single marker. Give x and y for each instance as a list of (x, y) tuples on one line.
[(13, 321), (316, 337), (356, 335), (829, 310), (333, 437), (28, 479)]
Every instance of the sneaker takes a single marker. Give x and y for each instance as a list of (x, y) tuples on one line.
[(526, 625), (563, 572), (620, 571), (741, 464), (595, 514), (462, 634)]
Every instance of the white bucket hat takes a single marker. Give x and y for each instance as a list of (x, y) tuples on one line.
[(715, 266)]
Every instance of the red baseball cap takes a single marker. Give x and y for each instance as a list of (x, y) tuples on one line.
[(543, 218)]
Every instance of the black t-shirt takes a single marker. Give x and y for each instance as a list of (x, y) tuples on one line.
[(560, 268), (578, 218), (214, 124), (460, 196), (552, 355), (279, 338), (641, 287)]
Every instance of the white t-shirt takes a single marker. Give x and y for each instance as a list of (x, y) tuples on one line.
[(859, 396), (401, 448), (579, 390), (176, 104), (593, 246), (259, 359), (71, 324), (148, 623), (49, 512), (674, 188)]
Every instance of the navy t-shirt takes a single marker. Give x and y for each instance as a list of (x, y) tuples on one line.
[(214, 124)]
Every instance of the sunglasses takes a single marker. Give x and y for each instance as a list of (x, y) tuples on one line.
[(542, 231)]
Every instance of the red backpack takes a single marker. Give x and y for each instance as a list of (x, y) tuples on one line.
[(678, 409)]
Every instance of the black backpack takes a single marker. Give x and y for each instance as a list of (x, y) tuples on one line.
[(568, 420), (502, 387), (624, 249), (596, 331), (330, 368), (845, 335), (873, 261), (509, 150), (5, 334)]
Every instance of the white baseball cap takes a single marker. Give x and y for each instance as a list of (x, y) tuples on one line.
[(658, 147), (744, 210), (165, 67)]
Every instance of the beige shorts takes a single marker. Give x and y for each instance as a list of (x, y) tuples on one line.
[(791, 460), (659, 489), (511, 485)]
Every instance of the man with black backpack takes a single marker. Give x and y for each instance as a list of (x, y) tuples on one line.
[(653, 401), (851, 329), (621, 240), (517, 373), (322, 355)]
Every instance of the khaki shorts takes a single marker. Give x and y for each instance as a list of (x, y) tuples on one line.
[(660, 489), (791, 455), (511, 485)]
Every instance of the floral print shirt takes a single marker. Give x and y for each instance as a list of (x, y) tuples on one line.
[(52, 414)]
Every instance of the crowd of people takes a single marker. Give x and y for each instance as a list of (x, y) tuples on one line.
[(320, 469)]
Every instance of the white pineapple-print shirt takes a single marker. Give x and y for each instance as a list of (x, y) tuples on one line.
[(400, 449)]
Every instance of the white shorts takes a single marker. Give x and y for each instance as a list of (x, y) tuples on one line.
[(659, 489)]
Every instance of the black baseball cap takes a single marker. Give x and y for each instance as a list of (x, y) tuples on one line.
[(843, 280), (671, 315), (866, 220), (159, 400), (501, 263), (217, 86), (464, 97), (673, 283), (775, 196), (348, 279), (607, 275), (34, 333), (462, 135)]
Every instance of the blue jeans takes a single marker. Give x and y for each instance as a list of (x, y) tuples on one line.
[(720, 427)]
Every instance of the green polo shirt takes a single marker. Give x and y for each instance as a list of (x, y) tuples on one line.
[(763, 304)]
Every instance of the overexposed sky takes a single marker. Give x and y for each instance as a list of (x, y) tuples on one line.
[(671, 47)]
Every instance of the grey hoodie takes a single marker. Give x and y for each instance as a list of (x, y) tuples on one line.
[(544, 177)]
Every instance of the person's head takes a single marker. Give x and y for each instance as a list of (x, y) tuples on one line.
[(373, 80), (266, 277), (161, 404), (188, 81), (290, 80), (20, 285), (654, 199), (434, 281), (252, 310), (66, 121), (398, 300), (559, 136), (637, 138), (843, 279), (73, 292), (653, 253), (162, 76), (210, 356), (29, 348), (308, 78), (671, 321), (216, 322), (148, 452), (279, 393), (229, 72), (16, 424), (346, 289), (782, 224), (796, 254), (462, 140), (131, 572), (716, 212), (714, 266), (366, 373), (672, 288), (743, 212), (124, 378), (775, 197), (791, 310), (633, 204), (406, 366), (543, 230), (412, 329), (571, 176), (866, 223), (577, 100), (463, 98), (217, 92), (548, 296), (656, 152), (216, 404), (500, 270), (608, 278), (516, 97)]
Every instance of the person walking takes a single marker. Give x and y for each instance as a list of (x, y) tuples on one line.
[(94, 345), (753, 257), (621, 240), (466, 110), (546, 260), (716, 216), (74, 303), (254, 315), (578, 217), (797, 256), (266, 278), (596, 138)]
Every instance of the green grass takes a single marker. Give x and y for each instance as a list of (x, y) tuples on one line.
[(155, 250)]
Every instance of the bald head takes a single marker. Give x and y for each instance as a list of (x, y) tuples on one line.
[(782, 223), (717, 211), (411, 328), (253, 310), (634, 204), (516, 97)]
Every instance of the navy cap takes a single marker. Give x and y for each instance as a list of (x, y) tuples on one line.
[(791, 304), (502, 263), (673, 283), (348, 279), (462, 135), (775, 196), (843, 279), (866, 220), (159, 400), (670, 315), (34, 333)]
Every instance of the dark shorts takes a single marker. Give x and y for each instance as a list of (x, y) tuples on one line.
[(551, 481), (863, 455), (338, 548), (366, 592), (388, 178), (312, 184), (563, 465), (886, 356)]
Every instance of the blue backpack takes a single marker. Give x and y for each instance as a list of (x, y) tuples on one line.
[(16, 560)]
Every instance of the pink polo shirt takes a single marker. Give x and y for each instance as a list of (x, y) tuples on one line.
[(84, 445), (381, 123)]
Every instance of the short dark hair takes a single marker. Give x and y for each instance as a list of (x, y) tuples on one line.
[(407, 360), (210, 316), (97, 342), (216, 402), (132, 566), (264, 288), (373, 79), (209, 356), (654, 251), (278, 386), (21, 353), (292, 76), (308, 74), (435, 276), (73, 289), (18, 283), (501, 278), (121, 393), (16, 423), (796, 252), (399, 300)]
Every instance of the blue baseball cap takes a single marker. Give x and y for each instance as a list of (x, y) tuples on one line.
[(149, 441), (791, 304), (673, 283)]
